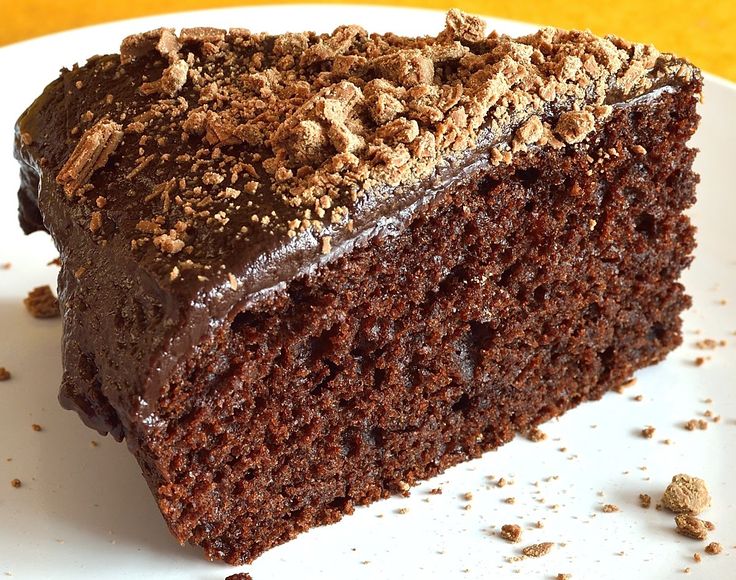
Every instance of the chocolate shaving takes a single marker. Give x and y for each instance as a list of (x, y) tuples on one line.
[(162, 39), (91, 153)]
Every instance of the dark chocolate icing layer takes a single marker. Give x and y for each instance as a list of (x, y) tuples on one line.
[(189, 202)]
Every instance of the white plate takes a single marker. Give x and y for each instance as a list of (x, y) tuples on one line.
[(85, 512)]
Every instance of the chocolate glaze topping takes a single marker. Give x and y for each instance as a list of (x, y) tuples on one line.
[(205, 170)]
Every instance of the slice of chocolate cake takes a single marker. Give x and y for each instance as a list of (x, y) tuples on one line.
[(302, 272)]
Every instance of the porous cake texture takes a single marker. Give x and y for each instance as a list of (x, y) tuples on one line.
[(303, 272)]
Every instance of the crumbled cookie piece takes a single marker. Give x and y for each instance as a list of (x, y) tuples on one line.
[(36, 427), (691, 527), (694, 424), (41, 303), (648, 432), (511, 533), (574, 126), (4, 374), (171, 82), (239, 576), (610, 508), (645, 500), (463, 27), (686, 495), (537, 550), (713, 548), (16, 483)]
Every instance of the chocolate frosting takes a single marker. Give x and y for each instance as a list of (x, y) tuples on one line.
[(193, 176)]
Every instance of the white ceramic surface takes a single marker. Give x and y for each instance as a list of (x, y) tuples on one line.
[(85, 512)]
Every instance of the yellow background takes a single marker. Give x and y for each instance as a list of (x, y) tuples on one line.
[(704, 32)]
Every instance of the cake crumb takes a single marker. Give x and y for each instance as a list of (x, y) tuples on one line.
[(713, 548), (501, 482), (645, 500), (691, 527), (402, 511), (41, 303), (648, 432), (536, 435), (16, 483), (562, 576), (4, 374), (511, 533), (686, 495), (537, 550), (697, 557), (706, 344), (435, 491), (510, 500), (609, 508), (699, 361), (36, 427)]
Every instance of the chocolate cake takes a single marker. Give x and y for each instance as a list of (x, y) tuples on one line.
[(303, 272)]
